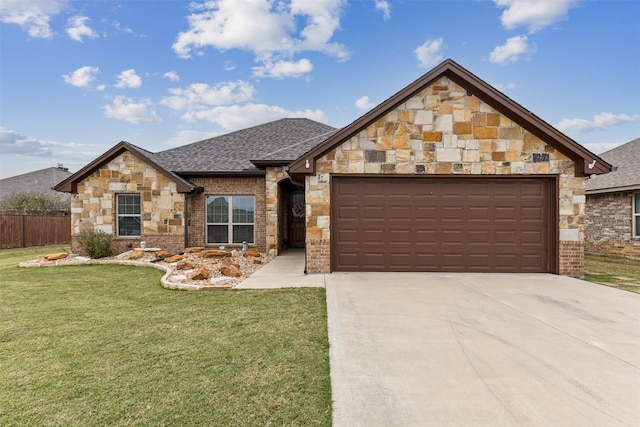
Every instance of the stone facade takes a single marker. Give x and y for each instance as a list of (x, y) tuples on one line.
[(231, 186), (273, 176), (444, 130), (609, 224), (162, 207)]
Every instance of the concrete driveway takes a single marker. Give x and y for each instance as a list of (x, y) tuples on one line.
[(420, 349)]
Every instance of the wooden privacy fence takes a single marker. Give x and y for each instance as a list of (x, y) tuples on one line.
[(21, 231)]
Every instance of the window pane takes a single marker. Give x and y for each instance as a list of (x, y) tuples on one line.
[(243, 209), (637, 203), (129, 204), (217, 209), (637, 226), (242, 233), (129, 226), (217, 234)]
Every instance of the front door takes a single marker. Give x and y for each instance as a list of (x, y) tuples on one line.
[(296, 219)]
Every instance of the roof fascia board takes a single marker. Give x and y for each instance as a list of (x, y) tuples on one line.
[(70, 185), (239, 174), (614, 189), (582, 157)]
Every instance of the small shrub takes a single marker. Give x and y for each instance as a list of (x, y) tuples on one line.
[(97, 244)]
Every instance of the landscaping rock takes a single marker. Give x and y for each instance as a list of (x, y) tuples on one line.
[(54, 257), (252, 253), (257, 261), (221, 281), (185, 265), (201, 274), (230, 271), (214, 253), (174, 258), (194, 249), (179, 278), (228, 261), (136, 254), (164, 254)]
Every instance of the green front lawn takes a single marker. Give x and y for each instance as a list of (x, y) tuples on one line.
[(612, 270), (107, 345)]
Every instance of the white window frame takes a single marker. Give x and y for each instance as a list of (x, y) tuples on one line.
[(128, 215), (635, 201), (230, 223)]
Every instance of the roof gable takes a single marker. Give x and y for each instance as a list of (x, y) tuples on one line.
[(70, 184), (586, 162), (625, 175)]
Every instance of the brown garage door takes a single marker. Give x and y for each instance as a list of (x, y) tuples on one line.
[(442, 224)]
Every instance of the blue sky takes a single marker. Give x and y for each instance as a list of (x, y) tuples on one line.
[(77, 77)]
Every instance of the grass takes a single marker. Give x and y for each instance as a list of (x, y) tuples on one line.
[(107, 345), (611, 269)]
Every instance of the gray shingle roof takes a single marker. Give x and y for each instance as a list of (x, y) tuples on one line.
[(233, 152), (627, 176), (40, 181)]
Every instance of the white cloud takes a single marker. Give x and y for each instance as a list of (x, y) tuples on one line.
[(201, 95), (82, 77), (600, 121), (127, 30), (33, 15), (229, 65), (429, 53), (534, 14), (172, 76), (77, 28), (183, 137), (511, 51), (384, 7), (13, 142), (127, 109), (504, 87), (129, 79), (364, 103), (274, 35), (283, 69), (242, 116)]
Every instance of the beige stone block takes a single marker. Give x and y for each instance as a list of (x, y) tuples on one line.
[(493, 119), (372, 168), (460, 115), (532, 143), (445, 108), (488, 168), (448, 154), (498, 145), (443, 168), (462, 128), (512, 156), (419, 156), (476, 168), (416, 144), (433, 102), (486, 108), (517, 167), (570, 235), (449, 140), (471, 155), (514, 132), (443, 123), (356, 167), (485, 133), (400, 141), (424, 117), (403, 155), (405, 167), (415, 103), (485, 146), (432, 136), (515, 145), (384, 143), (355, 155), (471, 144)]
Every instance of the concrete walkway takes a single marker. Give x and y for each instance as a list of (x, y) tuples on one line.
[(430, 349), (285, 271)]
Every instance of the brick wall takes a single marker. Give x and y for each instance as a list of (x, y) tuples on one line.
[(444, 130), (254, 186), (608, 224)]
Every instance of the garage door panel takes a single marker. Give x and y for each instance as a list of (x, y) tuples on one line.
[(442, 224)]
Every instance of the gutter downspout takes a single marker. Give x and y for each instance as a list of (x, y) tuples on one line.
[(300, 185)]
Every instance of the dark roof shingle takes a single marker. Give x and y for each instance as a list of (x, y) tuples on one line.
[(233, 152), (626, 158)]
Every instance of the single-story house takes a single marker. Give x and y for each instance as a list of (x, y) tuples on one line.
[(448, 174), (612, 224)]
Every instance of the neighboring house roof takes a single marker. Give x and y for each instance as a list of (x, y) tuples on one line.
[(625, 175), (586, 162), (70, 184), (240, 151), (40, 181)]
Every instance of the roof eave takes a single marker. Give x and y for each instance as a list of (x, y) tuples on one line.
[(242, 173), (619, 189), (70, 185)]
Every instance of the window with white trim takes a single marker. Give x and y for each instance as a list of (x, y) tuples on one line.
[(230, 219), (636, 215), (128, 212)]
